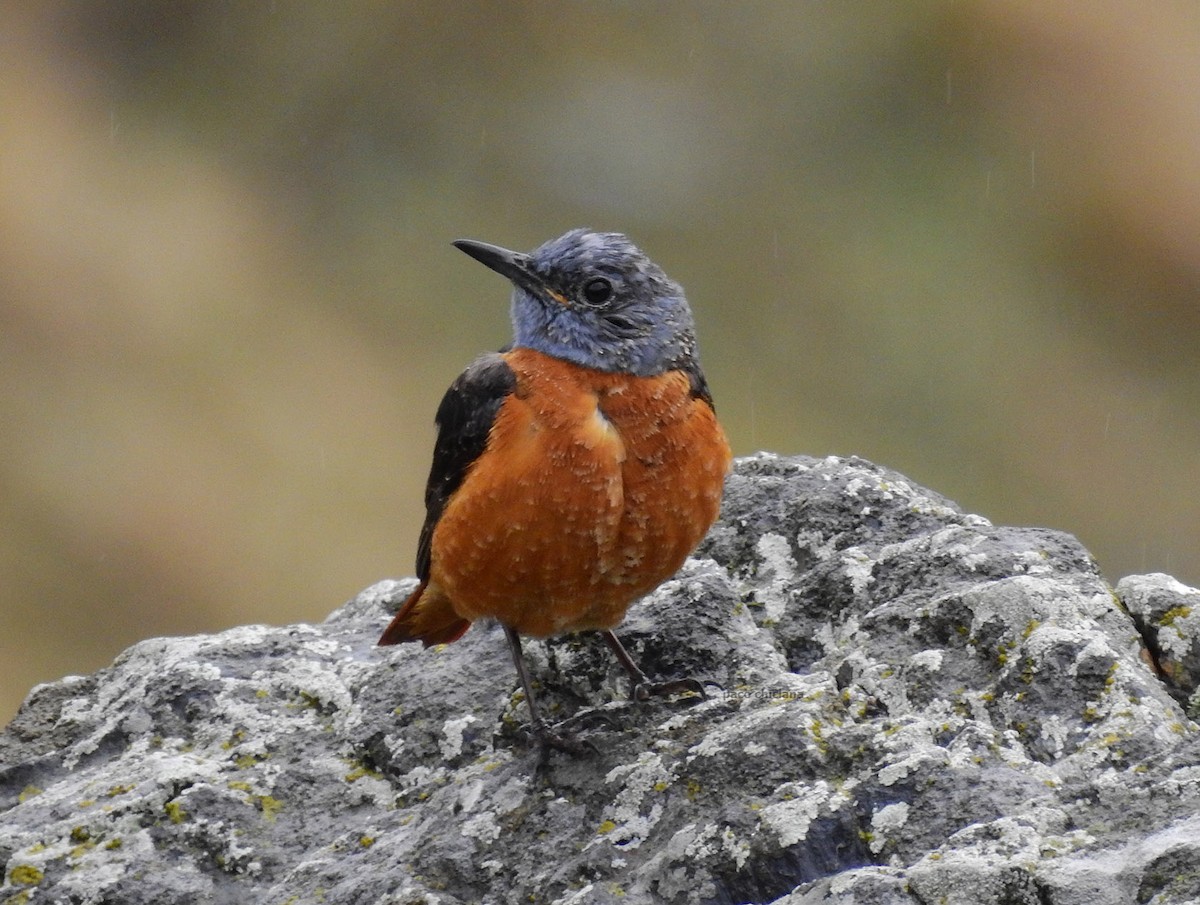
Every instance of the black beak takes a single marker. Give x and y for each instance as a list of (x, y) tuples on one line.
[(512, 264)]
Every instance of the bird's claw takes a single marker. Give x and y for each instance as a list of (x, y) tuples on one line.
[(644, 691), (562, 737), (567, 743), (586, 719)]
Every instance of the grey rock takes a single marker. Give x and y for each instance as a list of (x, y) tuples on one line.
[(1167, 614), (915, 706)]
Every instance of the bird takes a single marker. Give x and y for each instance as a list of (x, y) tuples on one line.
[(575, 469)]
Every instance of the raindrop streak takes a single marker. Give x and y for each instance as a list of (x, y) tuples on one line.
[(1032, 167), (753, 419)]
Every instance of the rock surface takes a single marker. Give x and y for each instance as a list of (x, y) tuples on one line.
[(915, 707)]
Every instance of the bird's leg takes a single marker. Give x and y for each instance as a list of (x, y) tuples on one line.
[(545, 737), (642, 688)]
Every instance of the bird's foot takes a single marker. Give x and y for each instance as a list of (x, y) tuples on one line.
[(564, 735), (586, 719), (644, 691), (566, 743), (548, 740)]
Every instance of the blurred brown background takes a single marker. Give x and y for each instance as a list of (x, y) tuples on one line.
[(961, 239)]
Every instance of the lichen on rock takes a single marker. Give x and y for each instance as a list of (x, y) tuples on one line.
[(910, 705)]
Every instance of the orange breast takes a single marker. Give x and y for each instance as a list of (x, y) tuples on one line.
[(593, 490)]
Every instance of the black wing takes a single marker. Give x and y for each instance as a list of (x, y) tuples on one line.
[(699, 385), (464, 420)]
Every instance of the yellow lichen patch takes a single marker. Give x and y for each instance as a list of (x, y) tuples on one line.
[(1111, 678), (235, 739), (117, 790), (270, 807), (175, 812), (310, 700), (27, 793), (366, 841), (606, 827), (1176, 612), (25, 875), (816, 729)]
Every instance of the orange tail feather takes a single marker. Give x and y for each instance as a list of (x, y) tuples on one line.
[(426, 616)]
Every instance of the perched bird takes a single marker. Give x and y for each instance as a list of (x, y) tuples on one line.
[(574, 471)]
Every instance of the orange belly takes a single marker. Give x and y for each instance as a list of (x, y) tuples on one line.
[(593, 490)]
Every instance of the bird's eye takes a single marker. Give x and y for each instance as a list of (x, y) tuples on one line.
[(597, 291)]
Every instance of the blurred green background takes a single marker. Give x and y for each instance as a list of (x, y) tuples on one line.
[(961, 239)]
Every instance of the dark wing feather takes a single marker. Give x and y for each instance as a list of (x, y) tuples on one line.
[(699, 385), (464, 420)]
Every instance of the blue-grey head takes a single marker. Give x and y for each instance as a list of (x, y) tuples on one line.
[(596, 300)]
